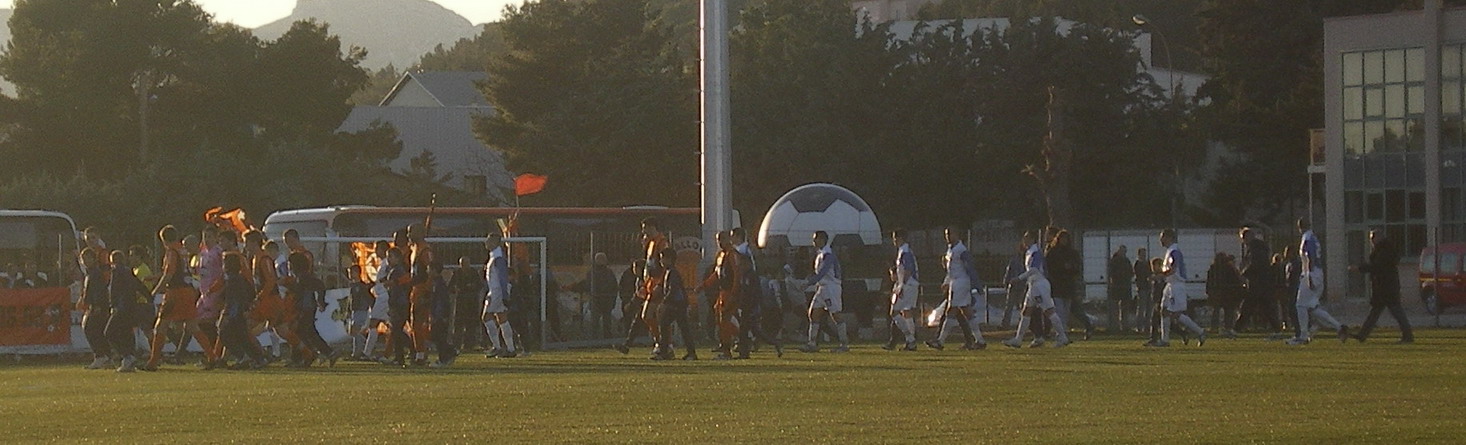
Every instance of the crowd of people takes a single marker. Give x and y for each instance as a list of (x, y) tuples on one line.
[(224, 290)]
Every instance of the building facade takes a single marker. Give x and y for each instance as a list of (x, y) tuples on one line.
[(1393, 142), (433, 112)]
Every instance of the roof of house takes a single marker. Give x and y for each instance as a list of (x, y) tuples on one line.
[(445, 131), (449, 88)]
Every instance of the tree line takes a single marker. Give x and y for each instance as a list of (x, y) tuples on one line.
[(156, 111)]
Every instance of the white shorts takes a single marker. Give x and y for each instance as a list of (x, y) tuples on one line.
[(1308, 298), (1173, 297), (960, 293), (827, 297), (904, 297), (494, 304), (379, 306), (1039, 295)]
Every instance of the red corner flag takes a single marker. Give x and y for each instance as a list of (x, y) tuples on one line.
[(529, 184)]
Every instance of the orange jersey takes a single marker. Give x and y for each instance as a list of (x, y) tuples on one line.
[(653, 277), (422, 259)]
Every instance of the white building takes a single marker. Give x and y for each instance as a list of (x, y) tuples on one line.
[(434, 112), (1394, 147)]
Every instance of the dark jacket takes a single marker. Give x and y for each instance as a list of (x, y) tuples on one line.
[(1064, 268), (1223, 284), (603, 292), (1122, 277), (1256, 265), (1383, 268), (239, 296), (126, 293), (1142, 277)]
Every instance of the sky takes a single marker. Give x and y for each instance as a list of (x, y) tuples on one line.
[(253, 13)]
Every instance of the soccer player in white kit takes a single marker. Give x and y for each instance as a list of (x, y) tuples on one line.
[(827, 301), (496, 311), (1310, 288), (961, 277), (1038, 302), (1173, 297), (904, 291)]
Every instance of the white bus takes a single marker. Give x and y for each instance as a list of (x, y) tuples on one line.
[(37, 267)]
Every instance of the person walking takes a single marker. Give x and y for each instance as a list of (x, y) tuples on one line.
[(1144, 304), (1224, 290), (1383, 269), (1260, 279), (1311, 287), (1173, 297), (1120, 279), (1065, 267)]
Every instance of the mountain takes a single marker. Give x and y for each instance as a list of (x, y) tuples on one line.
[(398, 32)]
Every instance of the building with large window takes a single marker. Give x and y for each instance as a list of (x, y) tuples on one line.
[(1393, 153)]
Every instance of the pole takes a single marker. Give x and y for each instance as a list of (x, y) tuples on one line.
[(717, 214)]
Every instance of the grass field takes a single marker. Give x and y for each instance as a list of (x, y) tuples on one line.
[(1105, 391)]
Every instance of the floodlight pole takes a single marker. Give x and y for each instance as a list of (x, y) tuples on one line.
[(717, 159)]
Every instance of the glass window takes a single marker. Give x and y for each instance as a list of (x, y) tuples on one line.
[(1395, 100), (1353, 207), (1395, 66), (1416, 99), (1451, 97), (1374, 102), (1450, 262), (1395, 206), (1374, 67), (1414, 135), (1417, 237), (1354, 137), (1451, 132), (1374, 132), (1395, 134), (1374, 207), (1451, 61), (1353, 103), (1415, 65), (1417, 205), (1353, 69)]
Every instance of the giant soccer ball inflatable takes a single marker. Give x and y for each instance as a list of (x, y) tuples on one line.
[(794, 218)]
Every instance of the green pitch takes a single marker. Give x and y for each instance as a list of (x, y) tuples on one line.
[(1108, 390)]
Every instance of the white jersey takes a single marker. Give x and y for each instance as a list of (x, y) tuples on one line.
[(956, 265)]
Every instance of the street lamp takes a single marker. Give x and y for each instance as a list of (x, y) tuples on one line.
[(1141, 22)]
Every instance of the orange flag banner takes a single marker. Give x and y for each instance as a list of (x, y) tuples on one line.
[(529, 184)]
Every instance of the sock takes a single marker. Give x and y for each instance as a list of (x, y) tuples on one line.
[(1023, 323), (493, 327), (947, 327), (966, 326), (1058, 327), (1165, 329), (371, 341), (160, 338), (1303, 332), (814, 333), (1324, 318), (1191, 325), (840, 333), (508, 332), (976, 331), (908, 327)]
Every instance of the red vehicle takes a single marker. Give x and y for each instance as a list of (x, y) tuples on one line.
[(1442, 282)]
